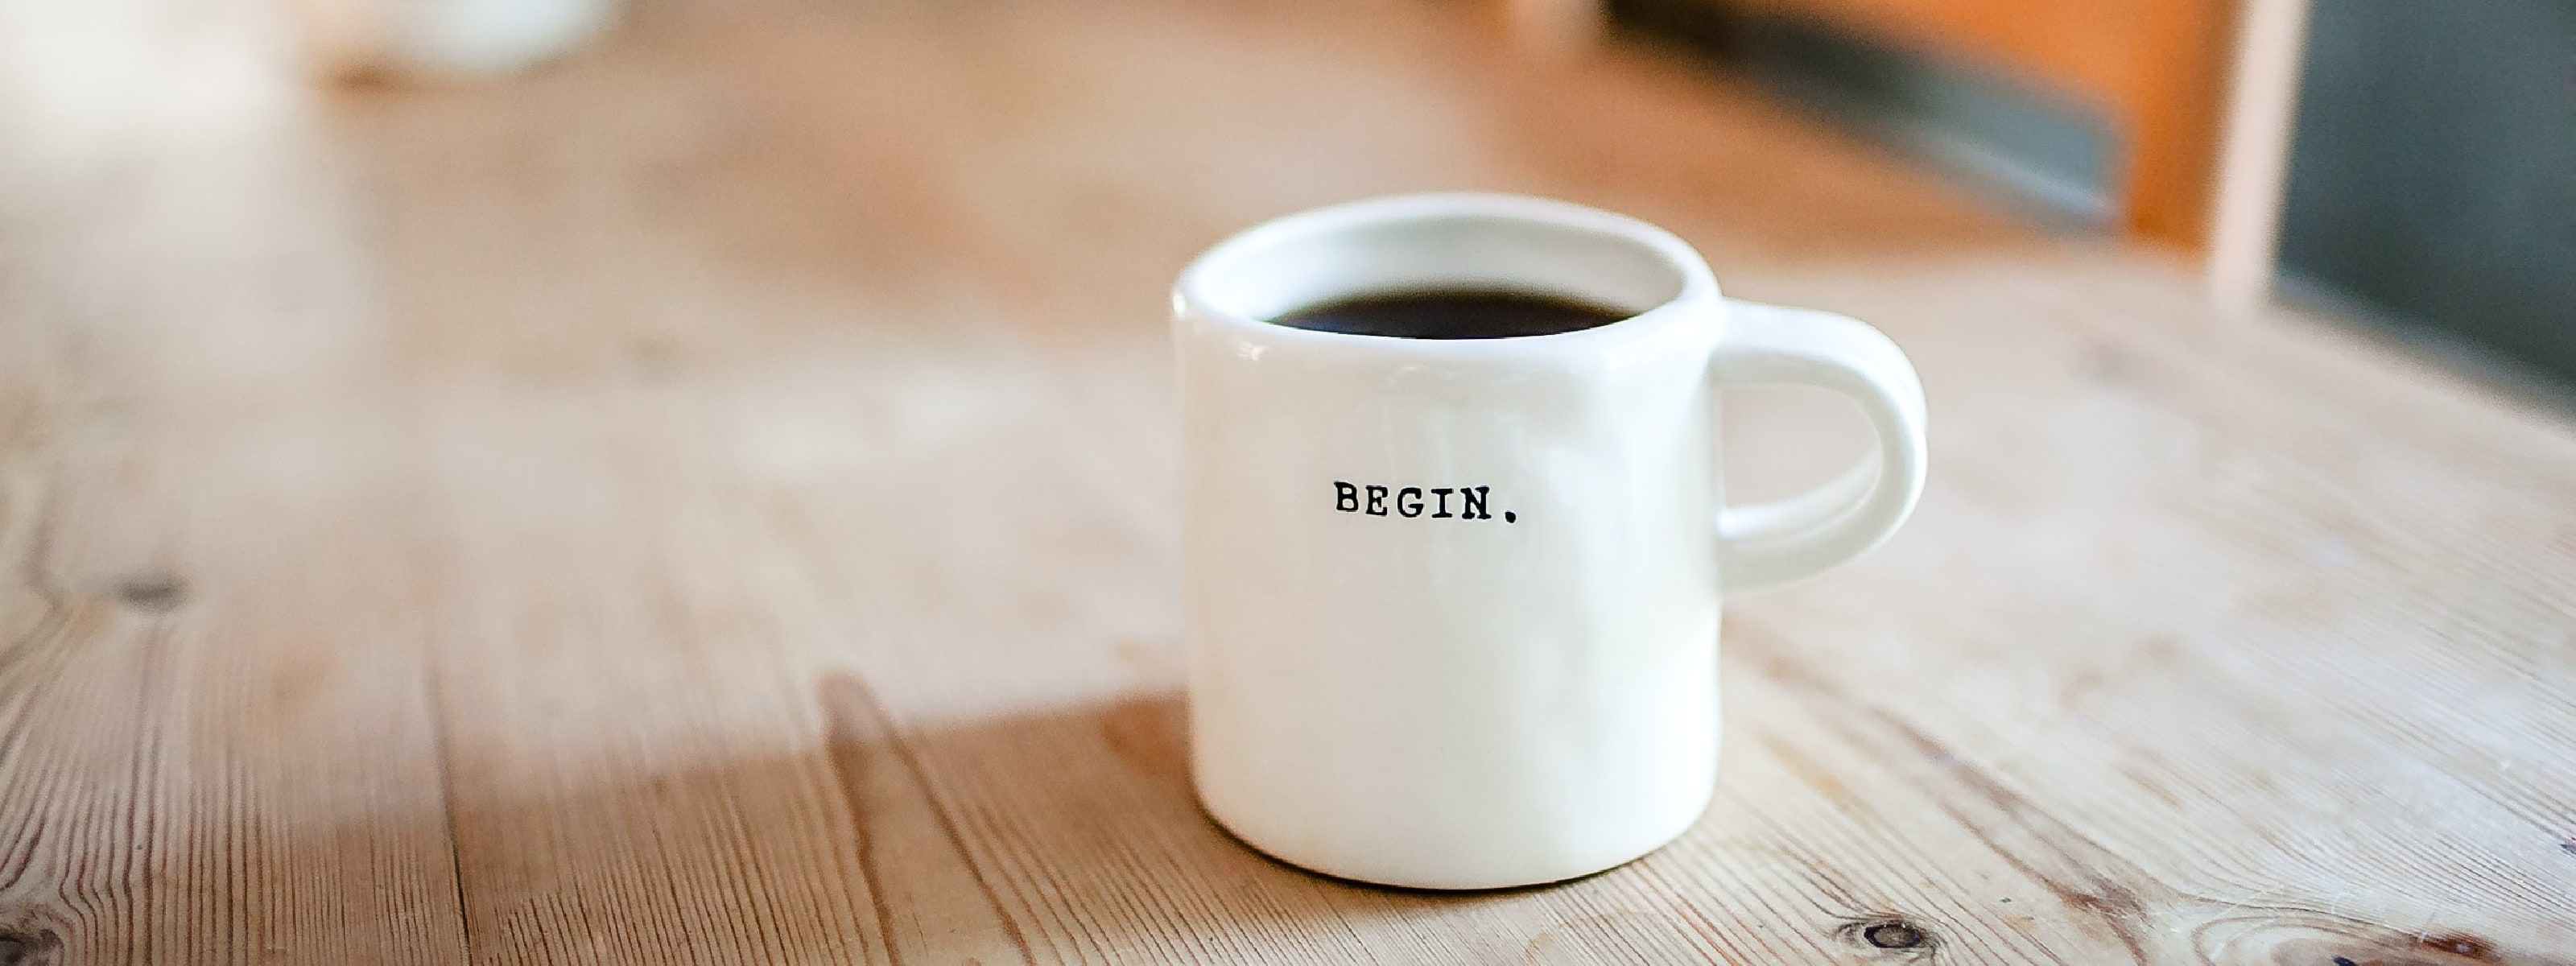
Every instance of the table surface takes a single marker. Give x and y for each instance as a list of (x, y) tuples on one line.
[(711, 501)]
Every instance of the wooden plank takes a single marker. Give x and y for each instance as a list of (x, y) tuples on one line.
[(639, 772), (2243, 589), (214, 740), (741, 455)]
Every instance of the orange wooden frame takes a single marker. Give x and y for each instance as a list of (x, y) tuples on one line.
[(2157, 68)]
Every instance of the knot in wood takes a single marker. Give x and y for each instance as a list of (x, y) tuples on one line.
[(151, 593), (28, 947), (1894, 934)]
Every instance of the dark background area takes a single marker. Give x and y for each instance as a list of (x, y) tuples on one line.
[(2433, 179), (2433, 175)]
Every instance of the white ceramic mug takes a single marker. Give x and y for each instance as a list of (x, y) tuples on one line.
[(1524, 691)]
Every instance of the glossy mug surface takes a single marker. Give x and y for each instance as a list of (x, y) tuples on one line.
[(1452, 604)]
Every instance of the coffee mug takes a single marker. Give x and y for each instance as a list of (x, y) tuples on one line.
[(1452, 601)]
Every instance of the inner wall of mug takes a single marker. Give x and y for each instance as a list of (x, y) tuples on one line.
[(1316, 259)]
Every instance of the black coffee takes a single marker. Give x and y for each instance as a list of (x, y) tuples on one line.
[(1461, 314)]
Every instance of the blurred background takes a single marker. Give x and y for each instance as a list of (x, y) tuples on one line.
[(2431, 178), (2405, 165)]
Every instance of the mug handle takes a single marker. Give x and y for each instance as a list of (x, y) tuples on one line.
[(1768, 544)]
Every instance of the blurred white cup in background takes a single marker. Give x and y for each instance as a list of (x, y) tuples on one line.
[(467, 38)]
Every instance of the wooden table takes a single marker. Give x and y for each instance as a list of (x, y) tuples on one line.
[(711, 502)]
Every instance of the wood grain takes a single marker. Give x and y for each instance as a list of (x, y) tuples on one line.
[(214, 743), (709, 502)]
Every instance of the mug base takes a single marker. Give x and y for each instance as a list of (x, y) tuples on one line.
[(1433, 883)]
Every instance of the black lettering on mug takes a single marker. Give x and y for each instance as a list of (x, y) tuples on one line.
[(1371, 499)]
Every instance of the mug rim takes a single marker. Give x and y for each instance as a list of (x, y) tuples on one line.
[(1697, 284)]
